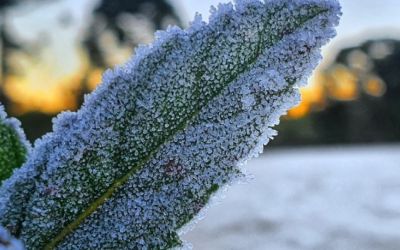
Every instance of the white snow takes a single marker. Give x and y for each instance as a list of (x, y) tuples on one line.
[(345, 198)]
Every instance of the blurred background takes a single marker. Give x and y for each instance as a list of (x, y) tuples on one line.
[(330, 180)]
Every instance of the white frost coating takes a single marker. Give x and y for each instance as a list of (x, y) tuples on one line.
[(165, 131), (7, 242)]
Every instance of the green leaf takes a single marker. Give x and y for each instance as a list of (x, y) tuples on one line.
[(13, 145), (164, 132)]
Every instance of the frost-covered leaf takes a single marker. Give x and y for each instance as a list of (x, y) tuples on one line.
[(13, 145), (165, 131)]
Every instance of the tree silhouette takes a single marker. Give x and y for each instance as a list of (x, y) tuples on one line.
[(107, 17), (370, 117)]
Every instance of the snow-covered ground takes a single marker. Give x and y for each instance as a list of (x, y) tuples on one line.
[(339, 198)]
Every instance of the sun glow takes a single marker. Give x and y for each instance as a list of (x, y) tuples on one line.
[(338, 83), (46, 84)]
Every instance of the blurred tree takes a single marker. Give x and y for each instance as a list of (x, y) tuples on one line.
[(6, 43), (117, 27), (125, 24), (368, 113), (375, 115)]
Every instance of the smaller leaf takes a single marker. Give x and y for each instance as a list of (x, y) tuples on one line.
[(13, 145)]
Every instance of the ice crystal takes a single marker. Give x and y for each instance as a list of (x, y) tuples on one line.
[(13, 145), (166, 130)]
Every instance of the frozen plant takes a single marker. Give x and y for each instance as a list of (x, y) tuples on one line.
[(13, 145), (165, 131)]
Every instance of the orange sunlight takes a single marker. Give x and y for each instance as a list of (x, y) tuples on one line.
[(47, 84), (312, 97)]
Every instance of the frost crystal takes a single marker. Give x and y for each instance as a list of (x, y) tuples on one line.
[(13, 145), (165, 131)]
